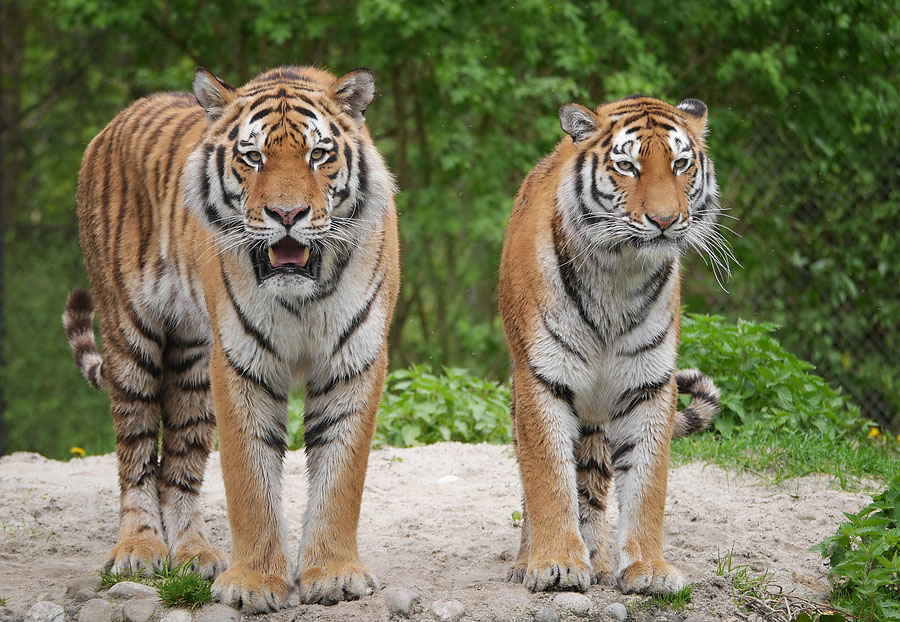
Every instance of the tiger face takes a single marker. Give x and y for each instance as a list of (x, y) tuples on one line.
[(641, 177), (280, 164)]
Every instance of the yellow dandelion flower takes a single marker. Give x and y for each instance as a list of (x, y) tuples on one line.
[(874, 432), (77, 452)]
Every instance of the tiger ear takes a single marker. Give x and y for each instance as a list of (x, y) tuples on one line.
[(696, 115), (577, 121), (213, 94), (354, 91)]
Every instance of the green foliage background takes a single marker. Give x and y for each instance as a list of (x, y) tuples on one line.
[(804, 117)]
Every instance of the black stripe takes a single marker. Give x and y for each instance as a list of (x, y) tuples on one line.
[(703, 396), (569, 279), (358, 319), (127, 394), (598, 196), (133, 437), (175, 342), (249, 328), (194, 385), (179, 367), (656, 283), (557, 389), (561, 340), (654, 343), (590, 464), (692, 420), (314, 432), (630, 399), (275, 439), (206, 419), (620, 452), (334, 129), (314, 392), (259, 115), (362, 187), (248, 375)]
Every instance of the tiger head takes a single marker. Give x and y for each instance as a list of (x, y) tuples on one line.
[(641, 176), (281, 173)]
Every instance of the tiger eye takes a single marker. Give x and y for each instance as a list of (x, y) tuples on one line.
[(625, 165), (317, 153), (254, 156), (681, 162)]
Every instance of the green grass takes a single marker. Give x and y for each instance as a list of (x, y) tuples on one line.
[(677, 601), (177, 587), (3, 601)]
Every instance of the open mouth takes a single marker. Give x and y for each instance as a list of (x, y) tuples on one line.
[(287, 256)]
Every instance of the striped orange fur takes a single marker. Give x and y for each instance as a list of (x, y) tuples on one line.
[(239, 240), (590, 299)]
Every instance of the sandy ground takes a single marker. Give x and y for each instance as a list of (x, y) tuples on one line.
[(436, 519)]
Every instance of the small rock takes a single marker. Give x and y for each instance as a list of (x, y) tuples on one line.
[(579, 604), (448, 610), (177, 615), (139, 609), (616, 611), (90, 582), (546, 615), (216, 612), (130, 589), (45, 611), (96, 610), (7, 615), (694, 619), (400, 601), (85, 594), (448, 479)]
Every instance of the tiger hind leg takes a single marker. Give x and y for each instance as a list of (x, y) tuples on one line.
[(188, 432), (594, 478)]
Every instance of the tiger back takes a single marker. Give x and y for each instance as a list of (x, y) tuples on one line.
[(590, 299), (238, 240)]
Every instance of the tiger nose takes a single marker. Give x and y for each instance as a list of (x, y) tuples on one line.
[(663, 222), (286, 216)]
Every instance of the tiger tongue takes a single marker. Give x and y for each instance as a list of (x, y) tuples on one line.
[(288, 251)]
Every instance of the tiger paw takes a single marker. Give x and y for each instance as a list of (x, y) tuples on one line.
[(333, 583), (205, 560), (557, 574), (516, 573), (251, 591), (651, 577), (143, 553), (602, 570)]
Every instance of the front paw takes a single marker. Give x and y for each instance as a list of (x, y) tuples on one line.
[(333, 583), (652, 577), (557, 574), (251, 591), (205, 560), (144, 553)]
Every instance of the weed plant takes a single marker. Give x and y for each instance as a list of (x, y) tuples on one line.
[(177, 586)]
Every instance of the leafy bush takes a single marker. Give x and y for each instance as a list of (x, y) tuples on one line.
[(864, 556), (419, 407)]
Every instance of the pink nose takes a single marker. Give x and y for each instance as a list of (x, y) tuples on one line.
[(286, 216), (663, 222)]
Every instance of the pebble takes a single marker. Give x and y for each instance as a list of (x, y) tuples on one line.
[(177, 615), (216, 612), (579, 604), (139, 609), (546, 615), (96, 610), (90, 582), (7, 615), (448, 610), (616, 611), (85, 594), (694, 619), (400, 601), (45, 611), (130, 589)]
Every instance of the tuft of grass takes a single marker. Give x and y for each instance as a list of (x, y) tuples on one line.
[(177, 586), (677, 601), (3, 601), (108, 578)]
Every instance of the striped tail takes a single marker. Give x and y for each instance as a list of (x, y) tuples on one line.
[(704, 402), (78, 320)]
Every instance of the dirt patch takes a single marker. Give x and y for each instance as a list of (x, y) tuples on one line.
[(436, 519)]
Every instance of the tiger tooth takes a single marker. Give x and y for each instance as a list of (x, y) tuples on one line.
[(271, 256), (305, 256)]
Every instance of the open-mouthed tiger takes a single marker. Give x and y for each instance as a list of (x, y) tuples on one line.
[(240, 240), (590, 296)]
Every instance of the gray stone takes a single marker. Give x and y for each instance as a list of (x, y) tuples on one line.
[(139, 609), (45, 611), (546, 615), (400, 601), (448, 610), (85, 594), (616, 611), (177, 615), (96, 610), (694, 619), (90, 582), (579, 604), (7, 615), (130, 589), (216, 612)]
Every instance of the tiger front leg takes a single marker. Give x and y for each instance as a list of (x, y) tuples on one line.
[(338, 426), (251, 412), (640, 436), (545, 425)]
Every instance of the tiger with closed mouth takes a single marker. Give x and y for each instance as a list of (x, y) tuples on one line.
[(590, 300), (239, 240)]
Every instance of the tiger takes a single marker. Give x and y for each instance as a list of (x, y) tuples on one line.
[(589, 297), (240, 242)]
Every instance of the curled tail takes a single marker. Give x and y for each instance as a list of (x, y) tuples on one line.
[(78, 320), (704, 402)]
